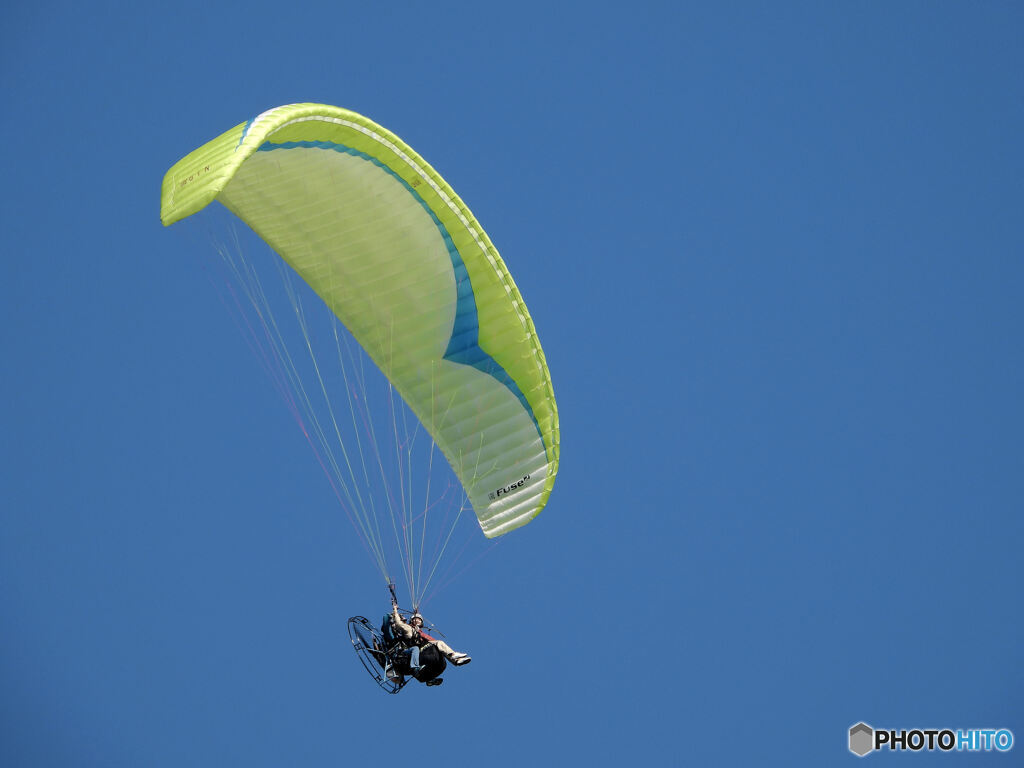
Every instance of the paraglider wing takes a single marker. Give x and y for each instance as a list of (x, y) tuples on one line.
[(401, 261)]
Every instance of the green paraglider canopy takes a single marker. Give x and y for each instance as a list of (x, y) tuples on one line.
[(400, 260)]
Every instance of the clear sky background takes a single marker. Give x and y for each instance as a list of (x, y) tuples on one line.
[(774, 255)]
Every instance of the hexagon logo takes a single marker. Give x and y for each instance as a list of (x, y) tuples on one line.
[(861, 739)]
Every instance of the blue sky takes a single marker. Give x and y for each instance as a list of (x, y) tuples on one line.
[(773, 252)]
